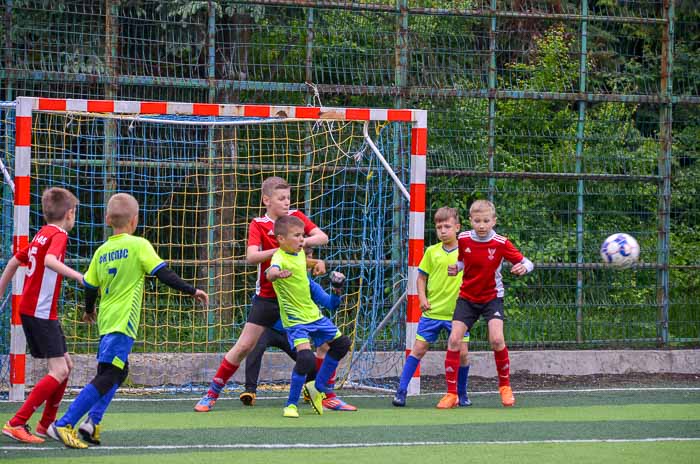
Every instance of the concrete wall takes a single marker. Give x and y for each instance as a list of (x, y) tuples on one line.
[(181, 369)]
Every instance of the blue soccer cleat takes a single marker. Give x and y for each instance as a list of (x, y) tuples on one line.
[(464, 401), (399, 398)]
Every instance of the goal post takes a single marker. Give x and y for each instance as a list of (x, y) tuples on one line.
[(196, 170)]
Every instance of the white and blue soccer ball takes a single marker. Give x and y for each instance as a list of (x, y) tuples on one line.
[(620, 250)]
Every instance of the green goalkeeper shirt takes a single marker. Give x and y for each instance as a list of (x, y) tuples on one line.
[(442, 290), (294, 292), (118, 269)]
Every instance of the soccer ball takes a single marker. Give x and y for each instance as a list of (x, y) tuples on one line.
[(620, 250)]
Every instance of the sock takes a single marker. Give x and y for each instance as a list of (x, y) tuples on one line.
[(99, 409), (328, 366), (86, 399), (40, 393), (451, 368), (408, 370), (52, 404), (462, 380), (503, 367), (225, 372), (295, 387)]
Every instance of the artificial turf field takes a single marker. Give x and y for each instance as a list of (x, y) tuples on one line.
[(622, 426)]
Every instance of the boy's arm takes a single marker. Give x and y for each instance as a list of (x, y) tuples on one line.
[(521, 265), (322, 298), (421, 284), (53, 263), (274, 272), (90, 300), (172, 280), (254, 255), (316, 237), (7, 274)]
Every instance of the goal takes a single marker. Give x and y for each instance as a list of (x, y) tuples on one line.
[(196, 170)]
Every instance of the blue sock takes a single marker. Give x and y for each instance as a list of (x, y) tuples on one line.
[(216, 387), (324, 373), (462, 380), (87, 398), (295, 387), (98, 410), (408, 369)]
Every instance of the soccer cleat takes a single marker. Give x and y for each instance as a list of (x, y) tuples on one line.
[(507, 397), (449, 401), (316, 397), (290, 411), (336, 404), (305, 396), (41, 431), (399, 398), (89, 431), (206, 404), (66, 435), (464, 401), (21, 433), (247, 398)]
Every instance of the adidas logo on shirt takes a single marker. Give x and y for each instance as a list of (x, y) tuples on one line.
[(467, 250)]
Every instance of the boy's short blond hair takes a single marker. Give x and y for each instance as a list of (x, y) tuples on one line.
[(283, 224), (445, 214), (481, 206), (121, 208), (271, 184), (56, 202)]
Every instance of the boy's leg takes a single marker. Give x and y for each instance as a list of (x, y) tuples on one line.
[(500, 354), (463, 374), (304, 364), (450, 400), (420, 347), (54, 401), (264, 313), (252, 368)]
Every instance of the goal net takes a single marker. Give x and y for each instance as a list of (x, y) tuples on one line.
[(196, 171)]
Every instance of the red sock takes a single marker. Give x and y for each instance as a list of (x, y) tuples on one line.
[(225, 372), (503, 367), (52, 404), (40, 393), (451, 369)]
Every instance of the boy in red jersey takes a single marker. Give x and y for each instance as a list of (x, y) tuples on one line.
[(481, 253), (264, 312), (38, 309)]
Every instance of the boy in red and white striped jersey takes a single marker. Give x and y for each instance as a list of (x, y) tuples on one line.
[(481, 254), (44, 258)]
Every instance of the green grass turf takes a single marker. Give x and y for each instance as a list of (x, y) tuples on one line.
[(131, 427)]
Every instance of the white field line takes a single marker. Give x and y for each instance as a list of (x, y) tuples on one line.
[(154, 398), (265, 446)]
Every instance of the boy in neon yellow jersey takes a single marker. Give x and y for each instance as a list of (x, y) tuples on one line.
[(117, 269), (437, 294), (301, 318)]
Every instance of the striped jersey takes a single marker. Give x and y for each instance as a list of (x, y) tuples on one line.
[(261, 233), (482, 258), (42, 286)]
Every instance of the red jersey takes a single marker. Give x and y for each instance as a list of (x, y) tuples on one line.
[(42, 286), (482, 258), (261, 234)]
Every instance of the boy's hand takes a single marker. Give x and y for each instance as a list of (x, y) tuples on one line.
[(90, 317), (319, 268), (337, 282), (202, 297), (424, 304), (452, 270), (518, 269), (284, 274)]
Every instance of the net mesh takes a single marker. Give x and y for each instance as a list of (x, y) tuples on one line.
[(198, 187)]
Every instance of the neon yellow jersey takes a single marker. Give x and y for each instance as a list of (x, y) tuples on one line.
[(117, 269), (442, 290), (294, 292)]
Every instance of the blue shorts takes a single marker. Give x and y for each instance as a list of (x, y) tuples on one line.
[(320, 331), (429, 329), (114, 349)]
